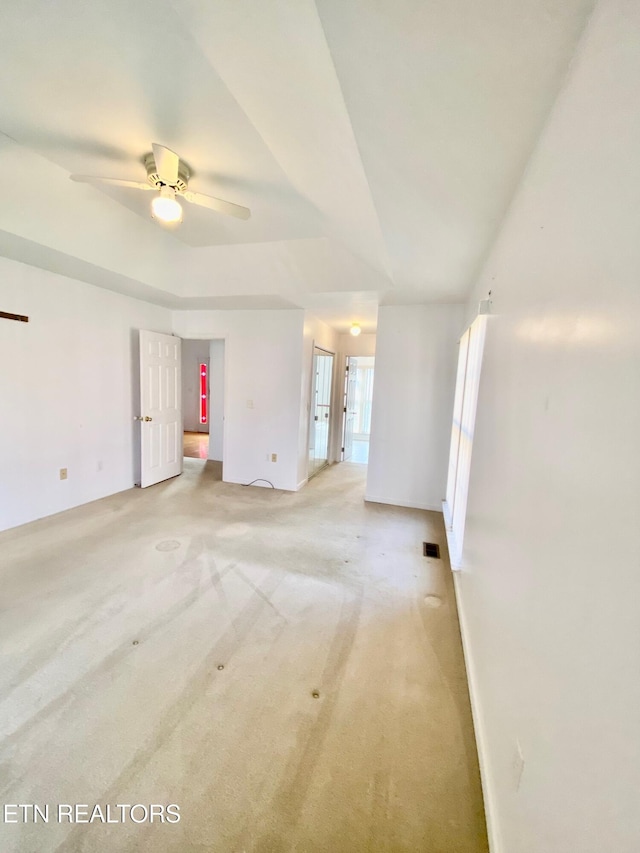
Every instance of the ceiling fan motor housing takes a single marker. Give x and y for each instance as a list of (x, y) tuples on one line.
[(180, 185)]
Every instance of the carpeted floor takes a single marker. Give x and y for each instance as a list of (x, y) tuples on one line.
[(286, 668)]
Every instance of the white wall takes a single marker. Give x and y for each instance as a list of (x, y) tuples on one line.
[(263, 354), (550, 588), (416, 354), (67, 391), (194, 353), (216, 400), (315, 334), (360, 345)]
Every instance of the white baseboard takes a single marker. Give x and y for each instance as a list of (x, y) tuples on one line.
[(495, 844), (302, 483), (407, 504)]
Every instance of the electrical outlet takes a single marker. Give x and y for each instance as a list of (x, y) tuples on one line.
[(63, 473), (274, 457), (249, 404)]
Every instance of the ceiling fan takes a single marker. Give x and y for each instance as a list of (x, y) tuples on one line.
[(168, 175)]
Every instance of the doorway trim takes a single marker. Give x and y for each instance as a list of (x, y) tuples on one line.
[(344, 401), (209, 339)]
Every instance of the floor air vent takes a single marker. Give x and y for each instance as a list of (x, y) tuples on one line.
[(430, 549)]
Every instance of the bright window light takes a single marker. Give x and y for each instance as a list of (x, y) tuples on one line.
[(464, 420)]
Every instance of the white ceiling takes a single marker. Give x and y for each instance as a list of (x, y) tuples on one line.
[(377, 142)]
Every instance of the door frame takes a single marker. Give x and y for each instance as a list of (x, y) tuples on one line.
[(225, 390), (345, 404), (343, 412)]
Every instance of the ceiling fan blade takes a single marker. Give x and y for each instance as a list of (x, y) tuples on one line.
[(91, 179), (218, 204), (167, 162)]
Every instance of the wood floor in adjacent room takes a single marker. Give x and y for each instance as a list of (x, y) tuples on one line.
[(286, 668), (195, 445)]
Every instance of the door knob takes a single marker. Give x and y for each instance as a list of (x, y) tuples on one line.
[(147, 418)]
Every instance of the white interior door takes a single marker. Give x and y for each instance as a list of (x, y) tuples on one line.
[(321, 410), (349, 408), (160, 407)]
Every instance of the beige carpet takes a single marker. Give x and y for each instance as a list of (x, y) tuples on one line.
[(286, 668)]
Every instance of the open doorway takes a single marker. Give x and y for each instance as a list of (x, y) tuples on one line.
[(358, 394), (203, 399)]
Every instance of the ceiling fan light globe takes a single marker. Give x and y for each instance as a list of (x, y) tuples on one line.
[(355, 329), (166, 208)]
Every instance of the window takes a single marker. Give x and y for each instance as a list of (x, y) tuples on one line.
[(203, 394), (464, 417)]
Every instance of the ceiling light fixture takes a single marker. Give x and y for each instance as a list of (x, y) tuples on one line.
[(165, 206), (355, 329)]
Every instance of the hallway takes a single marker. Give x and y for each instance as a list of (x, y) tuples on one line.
[(286, 667)]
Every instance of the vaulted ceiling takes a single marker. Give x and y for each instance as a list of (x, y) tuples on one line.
[(377, 142)]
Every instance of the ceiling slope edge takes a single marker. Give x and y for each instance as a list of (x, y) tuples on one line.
[(275, 61), (43, 257)]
